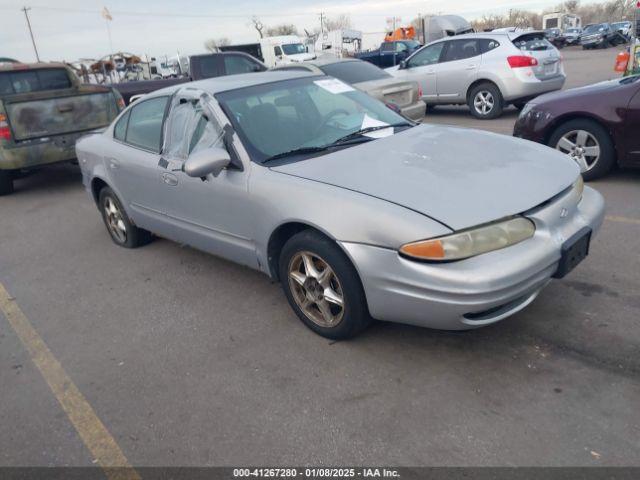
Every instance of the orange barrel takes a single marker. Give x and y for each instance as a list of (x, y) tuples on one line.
[(622, 60)]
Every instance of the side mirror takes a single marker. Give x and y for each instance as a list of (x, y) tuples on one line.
[(208, 161), (403, 65)]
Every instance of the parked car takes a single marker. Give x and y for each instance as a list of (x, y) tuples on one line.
[(486, 71), (572, 36), (273, 51), (371, 80), (358, 212), (601, 35), (597, 126), (200, 67), (390, 53), (44, 109), (625, 28), (556, 37)]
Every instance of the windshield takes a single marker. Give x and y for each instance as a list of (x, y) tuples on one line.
[(573, 30), (308, 112), (593, 28), (293, 48), (621, 25)]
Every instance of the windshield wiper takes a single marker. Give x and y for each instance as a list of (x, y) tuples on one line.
[(364, 131), (296, 151)]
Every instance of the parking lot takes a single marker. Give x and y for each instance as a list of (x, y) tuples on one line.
[(187, 359)]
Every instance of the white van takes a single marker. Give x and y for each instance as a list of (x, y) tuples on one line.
[(283, 50)]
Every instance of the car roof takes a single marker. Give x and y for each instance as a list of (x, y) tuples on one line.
[(234, 82)]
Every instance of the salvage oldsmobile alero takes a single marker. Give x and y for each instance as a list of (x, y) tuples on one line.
[(358, 212)]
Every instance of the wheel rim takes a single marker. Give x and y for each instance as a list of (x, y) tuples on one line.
[(115, 222), (582, 147), (484, 102), (316, 289)]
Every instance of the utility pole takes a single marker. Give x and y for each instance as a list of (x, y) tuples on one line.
[(26, 15), (321, 22)]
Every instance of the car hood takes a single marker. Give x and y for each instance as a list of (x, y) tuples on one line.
[(600, 87), (457, 176)]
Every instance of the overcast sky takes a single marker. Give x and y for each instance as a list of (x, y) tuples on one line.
[(73, 29)]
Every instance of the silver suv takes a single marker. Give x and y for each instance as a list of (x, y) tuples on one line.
[(486, 71)]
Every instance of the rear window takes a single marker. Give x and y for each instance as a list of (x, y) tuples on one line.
[(354, 72), (533, 42), (27, 81)]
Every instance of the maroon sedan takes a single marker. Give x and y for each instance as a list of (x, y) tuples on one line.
[(597, 126)]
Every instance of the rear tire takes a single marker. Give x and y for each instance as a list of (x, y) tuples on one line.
[(122, 231), (322, 286), (485, 101), (597, 136), (6, 182)]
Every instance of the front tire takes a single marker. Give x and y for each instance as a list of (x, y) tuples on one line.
[(122, 231), (322, 286), (6, 182), (588, 144), (485, 101)]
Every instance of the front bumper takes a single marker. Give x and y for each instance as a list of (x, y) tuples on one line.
[(33, 153), (480, 290), (594, 41)]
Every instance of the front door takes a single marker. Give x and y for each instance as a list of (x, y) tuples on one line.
[(632, 127), (422, 67), (207, 213)]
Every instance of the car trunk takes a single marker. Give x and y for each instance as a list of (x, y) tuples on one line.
[(390, 91), (50, 113), (536, 45)]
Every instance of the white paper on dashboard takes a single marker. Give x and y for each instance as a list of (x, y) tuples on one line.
[(333, 85), (368, 122)]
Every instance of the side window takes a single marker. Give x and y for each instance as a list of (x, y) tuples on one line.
[(234, 64), (427, 56), (460, 50), (387, 47), (488, 44), (189, 129), (145, 124), (120, 130), (277, 50)]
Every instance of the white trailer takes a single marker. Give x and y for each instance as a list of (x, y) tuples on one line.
[(338, 43), (561, 20)]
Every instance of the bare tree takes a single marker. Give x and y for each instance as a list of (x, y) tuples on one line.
[(258, 25), (284, 29), (212, 45), (341, 22)]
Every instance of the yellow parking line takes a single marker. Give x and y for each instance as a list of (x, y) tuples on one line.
[(615, 218), (94, 434)]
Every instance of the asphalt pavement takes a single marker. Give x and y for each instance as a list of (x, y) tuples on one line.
[(187, 359)]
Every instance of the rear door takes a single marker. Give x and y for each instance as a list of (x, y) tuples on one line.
[(458, 68), (132, 161), (536, 45)]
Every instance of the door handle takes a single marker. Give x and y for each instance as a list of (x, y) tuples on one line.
[(471, 67), (170, 179)]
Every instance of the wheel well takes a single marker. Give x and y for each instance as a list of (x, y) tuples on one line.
[(558, 122), (97, 184), (478, 82), (277, 240)]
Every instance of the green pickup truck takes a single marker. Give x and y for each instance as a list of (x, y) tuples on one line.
[(44, 109)]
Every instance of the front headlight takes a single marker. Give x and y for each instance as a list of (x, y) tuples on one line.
[(526, 109), (472, 242), (578, 186)]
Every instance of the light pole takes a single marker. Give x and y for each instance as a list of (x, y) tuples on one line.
[(26, 15)]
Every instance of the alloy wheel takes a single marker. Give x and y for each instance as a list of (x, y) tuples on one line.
[(115, 222), (582, 147), (316, 289), (484, 102)]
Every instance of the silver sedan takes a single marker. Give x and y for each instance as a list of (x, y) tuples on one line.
[(358, 212)]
